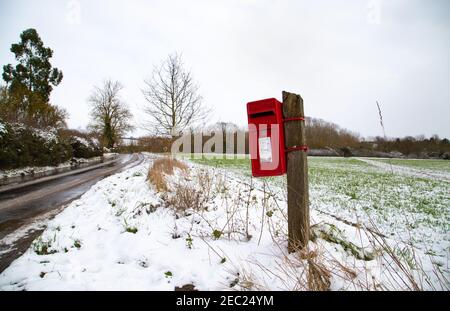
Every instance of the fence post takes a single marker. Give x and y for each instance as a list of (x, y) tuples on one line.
[(297, 173)]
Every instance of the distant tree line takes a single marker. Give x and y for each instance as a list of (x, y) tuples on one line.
[(414, 147), (323, 138), (321, 134)]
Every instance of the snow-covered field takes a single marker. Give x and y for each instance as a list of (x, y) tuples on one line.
[(434, 169), (219, 229)]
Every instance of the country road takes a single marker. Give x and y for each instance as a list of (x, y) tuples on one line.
[(24, 211)]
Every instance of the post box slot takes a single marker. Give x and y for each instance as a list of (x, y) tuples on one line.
[(262, 114)]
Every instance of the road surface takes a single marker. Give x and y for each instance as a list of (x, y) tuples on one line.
[(24, 211)]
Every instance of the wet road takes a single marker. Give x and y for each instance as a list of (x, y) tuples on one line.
[(33, 205)]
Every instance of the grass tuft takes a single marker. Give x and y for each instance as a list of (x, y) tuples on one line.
[(42, 247), (162, 167), (77, 244)]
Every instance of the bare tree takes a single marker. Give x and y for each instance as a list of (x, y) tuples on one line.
[(110, 115), (173, 102)]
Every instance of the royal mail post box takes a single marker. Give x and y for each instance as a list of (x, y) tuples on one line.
[(266, 137)]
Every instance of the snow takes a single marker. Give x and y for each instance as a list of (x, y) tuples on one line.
[(28, 170), (408, 171), (7, 243), (2, 128), (111, 155), (48, 136), (82, 141), (96, 142), (123, 235)]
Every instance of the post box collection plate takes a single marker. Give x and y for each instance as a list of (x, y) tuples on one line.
[(265, 149)]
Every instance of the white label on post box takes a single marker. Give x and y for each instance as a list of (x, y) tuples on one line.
[(265, 149)]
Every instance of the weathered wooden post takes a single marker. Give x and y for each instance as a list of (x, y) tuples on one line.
[(277, 146), (297, 171)]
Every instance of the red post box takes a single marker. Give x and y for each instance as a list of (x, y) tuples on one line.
[(266, 138)]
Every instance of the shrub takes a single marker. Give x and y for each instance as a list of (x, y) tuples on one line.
[(191, 193), (185, 197), (346, 152), (83, 145), (24, 146), (84, 148), (160, 168)]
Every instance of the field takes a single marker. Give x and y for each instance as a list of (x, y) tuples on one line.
[(435, 165), (408, 208)]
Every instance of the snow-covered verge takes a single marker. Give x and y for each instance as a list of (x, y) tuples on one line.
[(215, 229), (110, 155), (33, 170)]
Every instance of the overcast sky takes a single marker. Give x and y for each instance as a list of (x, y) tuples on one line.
[(340, 55)]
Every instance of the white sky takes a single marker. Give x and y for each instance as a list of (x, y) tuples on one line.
[(340, 55)]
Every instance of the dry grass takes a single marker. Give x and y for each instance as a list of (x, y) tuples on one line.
[(312, 268), (186, 197), (160, 168), (318, 276), (183, 194)]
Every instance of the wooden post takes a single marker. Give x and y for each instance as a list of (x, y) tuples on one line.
[(297, 173)]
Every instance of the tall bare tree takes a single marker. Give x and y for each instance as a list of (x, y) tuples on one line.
[(172, 99), (110, 116)]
